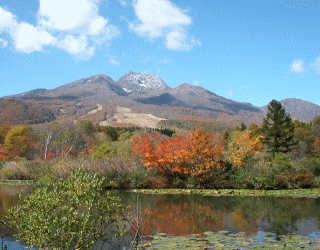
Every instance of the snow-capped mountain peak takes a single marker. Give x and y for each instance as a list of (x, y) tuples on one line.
[(144, 81)]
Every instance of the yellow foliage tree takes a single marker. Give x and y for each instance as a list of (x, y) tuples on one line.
[(243, 146), (18, 141)]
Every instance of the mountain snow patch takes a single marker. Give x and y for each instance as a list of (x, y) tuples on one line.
[(150, 81)]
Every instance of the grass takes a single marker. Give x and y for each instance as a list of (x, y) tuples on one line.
[(16, 182), (310, 193)]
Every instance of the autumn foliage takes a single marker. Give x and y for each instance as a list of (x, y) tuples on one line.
[(18, 141), (317, 147), (180, 156), (4, 156), (244, 145)]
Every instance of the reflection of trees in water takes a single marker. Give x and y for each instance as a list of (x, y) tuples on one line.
[(9, 197), (187, 214)]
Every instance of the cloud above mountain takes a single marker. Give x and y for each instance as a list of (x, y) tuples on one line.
[(77, 26), (74, 26), (297, 66), (161, 19)]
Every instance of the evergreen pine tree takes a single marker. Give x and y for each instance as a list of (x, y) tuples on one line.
[(243, 127), (278, 129)]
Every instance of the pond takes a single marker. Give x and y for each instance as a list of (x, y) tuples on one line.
[(191, 215)]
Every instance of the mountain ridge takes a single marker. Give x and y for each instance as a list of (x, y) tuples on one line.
[(150, 94)]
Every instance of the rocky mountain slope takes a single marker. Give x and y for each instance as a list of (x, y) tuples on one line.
[(133, 81), (148, 93)]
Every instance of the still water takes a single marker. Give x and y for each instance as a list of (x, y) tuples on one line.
[(195, 214)]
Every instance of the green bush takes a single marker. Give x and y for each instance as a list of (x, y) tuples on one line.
[(277, 171), (139, 176), (309, 164), (71, 214), (261, 175), (104, 149)]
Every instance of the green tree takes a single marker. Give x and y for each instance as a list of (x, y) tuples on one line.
[(305, 142), (243, 127), (70, 214), (278, 129), (104, 149), (86, 128), (111, 131), (255, 130), (315, 126), (226, 137)]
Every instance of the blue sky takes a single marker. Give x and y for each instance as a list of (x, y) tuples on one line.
[(246, 50)]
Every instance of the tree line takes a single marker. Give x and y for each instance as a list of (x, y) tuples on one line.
[(199, 158)]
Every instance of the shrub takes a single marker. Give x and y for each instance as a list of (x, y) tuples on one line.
[(71, 214), (138, 178), (309, 164), (277, 172), (262, 174), (15, 171), (103, 149)]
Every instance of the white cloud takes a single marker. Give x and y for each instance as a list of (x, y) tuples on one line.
[(76, 45), (195, 82), (97, 25), (124, 2), (68, 15), (161, 19), (7, 21), (316, 65), (77, 18), (112, 60), (72, 25), (297, 66), (28, 38), (3, 43)]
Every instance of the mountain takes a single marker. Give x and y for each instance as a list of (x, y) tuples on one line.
[(298, 109), (198, 97), (97, 98), (133, 81), (164, 99), (14, 112)]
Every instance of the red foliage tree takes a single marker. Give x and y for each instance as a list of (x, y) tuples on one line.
[(4, 156), (180, 156)]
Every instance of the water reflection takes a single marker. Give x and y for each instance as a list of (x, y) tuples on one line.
[(8, 199), (189, 214), (195, 214)]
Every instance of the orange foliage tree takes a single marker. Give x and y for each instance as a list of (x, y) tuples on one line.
[(206, 152), (180, 156), (244, 145), (165, 155)]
